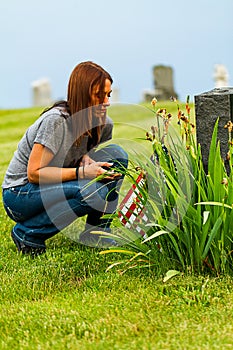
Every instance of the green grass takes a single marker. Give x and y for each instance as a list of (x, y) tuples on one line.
[(65, 299)]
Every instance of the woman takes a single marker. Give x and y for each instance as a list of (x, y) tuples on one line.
[(49, 182)]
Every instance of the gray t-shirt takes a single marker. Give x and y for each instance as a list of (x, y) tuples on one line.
[(53, 129)]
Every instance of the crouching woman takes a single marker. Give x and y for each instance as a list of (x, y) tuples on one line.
[(49, 181)]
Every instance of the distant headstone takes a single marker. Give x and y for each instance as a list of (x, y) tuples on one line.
[(163, 82), (221, 76), (41, 90), (217, 103), (148, 95), (115, 95)]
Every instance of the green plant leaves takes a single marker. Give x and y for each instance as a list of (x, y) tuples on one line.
[(170, 274), (190, 217)]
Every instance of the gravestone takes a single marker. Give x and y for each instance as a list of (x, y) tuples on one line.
[(163, 82), (41, 91), (115, 95), (148, 95), (221, 76), (209, 106)]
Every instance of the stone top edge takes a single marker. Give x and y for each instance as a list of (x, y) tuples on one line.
[(218, 91)]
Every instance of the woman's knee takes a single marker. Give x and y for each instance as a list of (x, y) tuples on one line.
[(116, 151), (111, 153), (95, 195)]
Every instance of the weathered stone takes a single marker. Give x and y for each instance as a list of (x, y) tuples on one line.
[(221, 76), (209, 106), (41, 90), (163, 82), (148, 95), (115, 95)]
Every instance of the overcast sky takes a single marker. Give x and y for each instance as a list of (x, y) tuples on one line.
[(47, 38)]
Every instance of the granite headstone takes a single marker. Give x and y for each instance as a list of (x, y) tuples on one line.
[(209, 106)]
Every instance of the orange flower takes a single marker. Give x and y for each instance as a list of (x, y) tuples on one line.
[(154, 101), (179, 114), (224, 181), (229, 126)]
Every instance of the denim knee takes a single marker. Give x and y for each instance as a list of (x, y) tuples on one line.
[(116, 152), (112, 153)]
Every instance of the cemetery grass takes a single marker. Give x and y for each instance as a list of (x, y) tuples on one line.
[(66, 300)]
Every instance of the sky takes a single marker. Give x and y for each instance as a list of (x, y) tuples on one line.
[(48, 38)]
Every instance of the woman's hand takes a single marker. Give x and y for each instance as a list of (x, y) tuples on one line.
[(86, 160), (95, 169)]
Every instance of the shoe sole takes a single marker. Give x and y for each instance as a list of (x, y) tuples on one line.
[(16, 242), (25, 249)]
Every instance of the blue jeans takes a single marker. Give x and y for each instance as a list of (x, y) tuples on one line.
[(41, 211)]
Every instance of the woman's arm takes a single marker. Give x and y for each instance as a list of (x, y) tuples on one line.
[(39, 170)]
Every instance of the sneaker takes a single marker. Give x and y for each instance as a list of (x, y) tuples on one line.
[(26, 249), (94, 240)]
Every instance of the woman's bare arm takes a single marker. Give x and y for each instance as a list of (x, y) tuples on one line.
[(39, 170)]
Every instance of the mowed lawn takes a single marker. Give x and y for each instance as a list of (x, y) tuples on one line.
[(65, 299)]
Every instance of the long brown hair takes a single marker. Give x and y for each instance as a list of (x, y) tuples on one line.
[(83, 79)]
